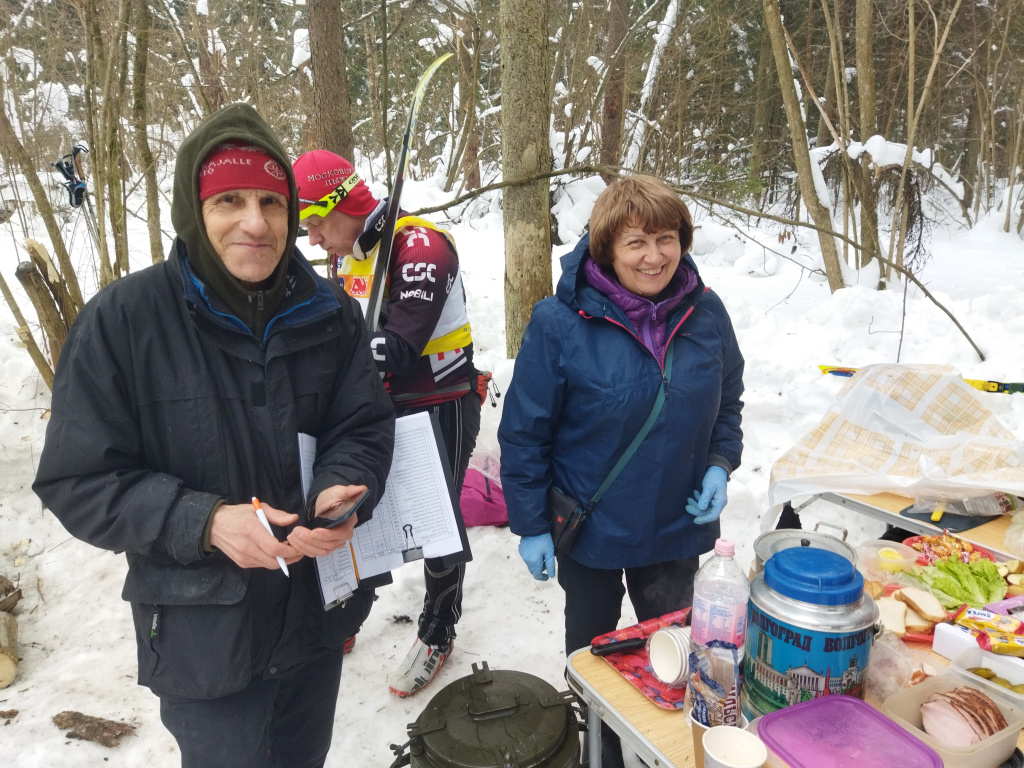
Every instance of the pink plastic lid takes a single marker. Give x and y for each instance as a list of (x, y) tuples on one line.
[(724, 548), (842, 732)]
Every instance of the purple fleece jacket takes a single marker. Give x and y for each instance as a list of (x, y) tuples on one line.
[(650, 320)]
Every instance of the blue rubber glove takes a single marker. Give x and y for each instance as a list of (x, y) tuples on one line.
[(538, 552), (708, 507)]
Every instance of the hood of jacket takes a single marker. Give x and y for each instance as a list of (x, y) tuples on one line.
[(576, 292), (236, 122)]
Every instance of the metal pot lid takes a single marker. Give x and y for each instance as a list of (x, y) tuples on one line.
[(767, 544), (493, 718)]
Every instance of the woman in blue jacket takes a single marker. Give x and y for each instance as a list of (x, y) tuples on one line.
[(591, 363)]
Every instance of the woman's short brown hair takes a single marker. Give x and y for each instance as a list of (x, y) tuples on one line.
[(641, 201)]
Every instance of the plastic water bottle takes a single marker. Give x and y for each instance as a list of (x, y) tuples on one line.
[(720, 595), (991, 505)]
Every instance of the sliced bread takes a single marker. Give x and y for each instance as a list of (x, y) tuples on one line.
[(925, 603), (874, 588), (917, 623), (893, 614)]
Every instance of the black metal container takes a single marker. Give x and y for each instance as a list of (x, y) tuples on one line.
[(494, 719)]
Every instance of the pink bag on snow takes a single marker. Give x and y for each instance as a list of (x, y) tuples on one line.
[(482, 501)]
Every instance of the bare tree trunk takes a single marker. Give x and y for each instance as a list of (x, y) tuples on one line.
[(829, 105), (801, 155), (26, 336), (373, 77), (913, 117), (525, 152), (611, 113), (140, 120), (385, 102), (465, 158), (1013, 153), (969, 167), (211, 64), (114, 83), (331, 121), (765, 64), (95, 64), (865, 58)]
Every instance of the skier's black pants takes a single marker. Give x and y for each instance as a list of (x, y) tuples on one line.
[(442, 606), (285, 722), (593, 605)]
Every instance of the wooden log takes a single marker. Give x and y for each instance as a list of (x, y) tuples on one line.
[(23, 333), (9, 594), (89, 728), (46, 308), (58, 288), (8, 649)]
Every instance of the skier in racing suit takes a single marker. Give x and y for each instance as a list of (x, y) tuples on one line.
[(423, 350)]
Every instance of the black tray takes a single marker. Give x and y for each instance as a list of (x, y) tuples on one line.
[(952, 523)]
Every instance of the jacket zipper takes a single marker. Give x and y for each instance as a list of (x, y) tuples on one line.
[(668, 340)]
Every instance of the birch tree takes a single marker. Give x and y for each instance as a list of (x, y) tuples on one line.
[(634, 150)]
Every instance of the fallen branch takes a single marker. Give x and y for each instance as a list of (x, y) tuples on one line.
[(89, 728)]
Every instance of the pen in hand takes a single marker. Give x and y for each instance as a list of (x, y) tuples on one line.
[(266, 524)]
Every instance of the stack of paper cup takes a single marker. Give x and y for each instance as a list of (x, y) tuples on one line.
[(728, 747), (669, 652)]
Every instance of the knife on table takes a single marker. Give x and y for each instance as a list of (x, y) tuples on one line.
[(618, 646)]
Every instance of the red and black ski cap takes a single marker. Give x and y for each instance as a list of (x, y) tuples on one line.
[(327, 181)]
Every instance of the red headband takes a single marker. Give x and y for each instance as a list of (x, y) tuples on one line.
[(241, 166)]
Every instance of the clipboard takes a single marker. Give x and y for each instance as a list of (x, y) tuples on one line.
[(418, 496), (466, 554)]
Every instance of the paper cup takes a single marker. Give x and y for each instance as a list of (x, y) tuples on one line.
[(728, 747), (698, 731), (669, 652)]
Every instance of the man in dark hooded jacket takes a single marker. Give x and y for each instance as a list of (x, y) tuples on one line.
[(179, 396)]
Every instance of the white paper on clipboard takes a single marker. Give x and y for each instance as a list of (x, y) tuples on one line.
[(416, 510)]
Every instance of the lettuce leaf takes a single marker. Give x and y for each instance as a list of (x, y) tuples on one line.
[(954, 582)]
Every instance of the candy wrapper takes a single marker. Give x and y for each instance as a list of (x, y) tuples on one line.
[(985, 620), (993, 631), (714, 684)]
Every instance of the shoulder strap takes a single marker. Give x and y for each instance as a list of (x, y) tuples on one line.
[(659, 401)]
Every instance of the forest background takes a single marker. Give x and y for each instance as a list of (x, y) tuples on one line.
[(842, 116)]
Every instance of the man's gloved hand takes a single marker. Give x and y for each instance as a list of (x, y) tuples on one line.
[(538, 552), (708, 506)]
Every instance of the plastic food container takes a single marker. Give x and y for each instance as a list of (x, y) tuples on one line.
[(922, 558), (1007, 667), (905, 708), (879, 557), (841, 731)]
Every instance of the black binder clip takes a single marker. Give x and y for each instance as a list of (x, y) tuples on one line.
[(411, 551)]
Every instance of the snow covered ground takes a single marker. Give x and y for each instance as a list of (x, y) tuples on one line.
[(76, 639)]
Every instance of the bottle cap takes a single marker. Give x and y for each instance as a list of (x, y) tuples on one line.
[(724, 548)]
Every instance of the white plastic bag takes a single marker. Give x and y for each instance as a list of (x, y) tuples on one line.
[(916, 430)]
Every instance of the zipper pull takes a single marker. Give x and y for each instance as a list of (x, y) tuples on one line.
[(259, 301)]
